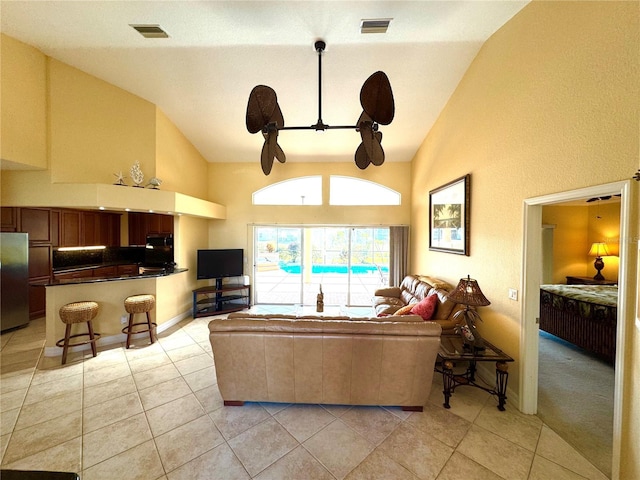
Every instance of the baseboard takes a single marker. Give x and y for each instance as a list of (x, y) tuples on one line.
[(119, 338)]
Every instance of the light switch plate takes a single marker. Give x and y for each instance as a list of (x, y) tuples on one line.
[(513, 294)]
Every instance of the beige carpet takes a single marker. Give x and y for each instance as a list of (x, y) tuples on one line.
[(575, 398)]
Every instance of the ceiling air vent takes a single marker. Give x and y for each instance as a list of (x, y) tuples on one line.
[(376, 25), (150, 31)]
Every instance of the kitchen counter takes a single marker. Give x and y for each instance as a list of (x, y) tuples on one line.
[(171, 290), (77, 281)]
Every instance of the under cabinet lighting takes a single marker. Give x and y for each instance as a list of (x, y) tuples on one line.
[(100, 208), (77, 249)]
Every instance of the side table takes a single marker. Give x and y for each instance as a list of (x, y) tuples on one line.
[(452, 350)]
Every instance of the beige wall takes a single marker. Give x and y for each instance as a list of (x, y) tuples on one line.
[(233, 183), (23, 104), (549, 104), (178, 164), (569, 240), (576, 228), (97, 129)]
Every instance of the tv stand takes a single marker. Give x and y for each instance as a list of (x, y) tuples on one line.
[(218, 299)]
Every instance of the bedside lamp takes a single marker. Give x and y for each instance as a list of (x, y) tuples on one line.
[(468, 293), (599, 250)]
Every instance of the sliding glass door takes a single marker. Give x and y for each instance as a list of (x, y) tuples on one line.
[(293, 263)]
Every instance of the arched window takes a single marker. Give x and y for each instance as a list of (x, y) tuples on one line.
[(297, 191), (353, 191)]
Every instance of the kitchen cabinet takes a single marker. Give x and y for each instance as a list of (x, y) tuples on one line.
[(70, 228), (50, 228), (128, 270), (143, 224), (89, 228), (37, 223), (8, 219), (105, 272)]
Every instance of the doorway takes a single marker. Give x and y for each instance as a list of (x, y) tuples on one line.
[(532, 275)]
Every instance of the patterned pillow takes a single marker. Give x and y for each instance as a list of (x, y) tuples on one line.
[(406, 310), (426, 307)]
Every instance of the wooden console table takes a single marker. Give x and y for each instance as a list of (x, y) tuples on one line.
[(452, 351)]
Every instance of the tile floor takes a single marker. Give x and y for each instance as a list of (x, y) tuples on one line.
[(154, 412)]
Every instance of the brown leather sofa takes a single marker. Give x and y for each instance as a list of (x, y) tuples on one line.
[(358, 361), (413, 289)]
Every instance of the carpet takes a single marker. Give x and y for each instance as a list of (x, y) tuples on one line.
[(575, 398)]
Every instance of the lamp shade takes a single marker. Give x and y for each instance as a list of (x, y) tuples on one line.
[(468, 293), (599, 249)]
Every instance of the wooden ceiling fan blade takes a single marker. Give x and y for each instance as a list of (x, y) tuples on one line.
[(280, 156), (377, 158), (266, 160), (361, 157), (260, 107), (368, 138), (277, 117), (376, 98)]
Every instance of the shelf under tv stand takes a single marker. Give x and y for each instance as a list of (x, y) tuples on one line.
[(218, 299)]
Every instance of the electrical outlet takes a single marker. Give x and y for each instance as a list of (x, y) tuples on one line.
[(124, 319), (513, 294)]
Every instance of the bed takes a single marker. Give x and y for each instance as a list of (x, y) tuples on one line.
[(584, 315)]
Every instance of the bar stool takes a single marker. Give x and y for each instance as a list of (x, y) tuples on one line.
[(78, 312), (139, 304)]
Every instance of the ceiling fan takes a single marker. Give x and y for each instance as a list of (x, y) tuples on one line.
[(376, 97)]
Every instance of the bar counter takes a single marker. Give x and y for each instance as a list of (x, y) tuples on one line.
[(171, 289)]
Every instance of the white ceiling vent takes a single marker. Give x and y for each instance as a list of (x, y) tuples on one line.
[(150, 31), (375, 25)]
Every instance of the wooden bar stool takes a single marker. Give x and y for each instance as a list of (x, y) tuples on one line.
[(139, 304), (78, 312)]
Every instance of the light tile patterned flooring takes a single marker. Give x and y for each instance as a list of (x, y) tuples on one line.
[(154, 412)]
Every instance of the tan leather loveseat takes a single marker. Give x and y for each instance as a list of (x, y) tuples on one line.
[(315, 360), (413, 289)]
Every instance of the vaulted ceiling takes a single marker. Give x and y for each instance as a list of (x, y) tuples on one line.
[(217, 51)]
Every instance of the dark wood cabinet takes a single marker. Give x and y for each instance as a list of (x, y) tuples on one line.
[(109, 230), (105, 272), (69, 228), (89, 228), (37, 223), (143, 224), (50, 228), (127, 270), (37, 297), (39, 261), (8, 219)]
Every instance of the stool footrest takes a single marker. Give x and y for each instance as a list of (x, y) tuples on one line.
[(129, 328), (96, 336)]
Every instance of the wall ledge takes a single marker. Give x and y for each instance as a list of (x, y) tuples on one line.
[(94, 196)]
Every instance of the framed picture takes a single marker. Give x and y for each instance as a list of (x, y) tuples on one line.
[(449, 217)]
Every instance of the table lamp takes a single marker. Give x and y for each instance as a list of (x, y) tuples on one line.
[(468, 293), (599, 250)]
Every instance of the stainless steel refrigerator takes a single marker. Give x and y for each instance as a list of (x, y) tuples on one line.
[(14, 280)]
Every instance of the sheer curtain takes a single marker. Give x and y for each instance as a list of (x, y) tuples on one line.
[(398, 253)]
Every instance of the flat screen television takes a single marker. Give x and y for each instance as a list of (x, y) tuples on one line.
[(220, 263)]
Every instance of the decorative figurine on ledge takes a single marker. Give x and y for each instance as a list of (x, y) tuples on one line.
[(136, 175), (155, 182), (320, 301), (468, 293), (119, 178)]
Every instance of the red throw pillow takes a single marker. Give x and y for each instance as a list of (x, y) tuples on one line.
[(426, 307)]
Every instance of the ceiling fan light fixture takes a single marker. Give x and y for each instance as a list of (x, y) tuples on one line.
[(375, 25), (150, 31)]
